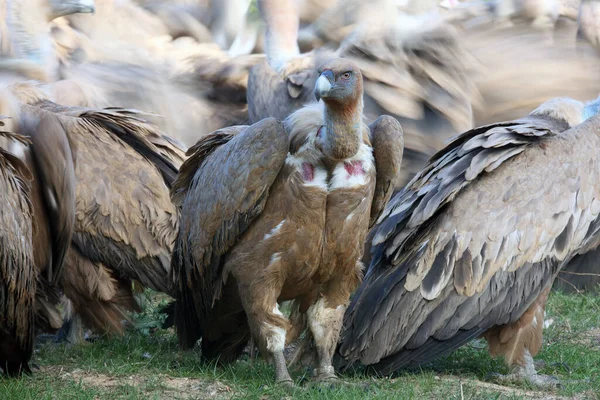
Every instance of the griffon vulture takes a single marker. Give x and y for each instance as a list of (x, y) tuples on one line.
[(50, 160), (125, 222), (25, 41), (588, 21), (415, 69), (472, 245), (279, 211), (17, 268)]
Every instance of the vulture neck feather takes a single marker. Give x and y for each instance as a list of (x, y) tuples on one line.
[(343, 129)]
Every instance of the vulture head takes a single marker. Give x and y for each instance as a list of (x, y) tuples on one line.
[(61, 8), (571, 111), (340, 83), (340, 86)]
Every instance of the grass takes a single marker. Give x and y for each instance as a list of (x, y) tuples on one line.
[(147, 364)]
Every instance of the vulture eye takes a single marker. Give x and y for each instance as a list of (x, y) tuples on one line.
[(346, 75)]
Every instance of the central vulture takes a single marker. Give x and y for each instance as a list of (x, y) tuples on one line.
[(274, 212), (472, 245)]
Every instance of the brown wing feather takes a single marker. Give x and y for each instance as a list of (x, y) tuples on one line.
[(229, 189), (55, 176), (388, 146), (101, 298), (197, 154), (124, 168), (17, 268)]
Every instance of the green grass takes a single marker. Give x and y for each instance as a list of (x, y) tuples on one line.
[(147, 364)]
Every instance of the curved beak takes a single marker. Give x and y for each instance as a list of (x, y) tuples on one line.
[(324, 85)]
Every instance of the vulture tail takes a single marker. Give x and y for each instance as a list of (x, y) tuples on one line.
[(98, 295), (222, 325), (581, 273), (228, 333), (429, 351)]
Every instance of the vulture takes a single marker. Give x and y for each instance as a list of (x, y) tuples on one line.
[(438, 279), (17, 267), (25, 41), (589, 22), (125, 223), (285, 81), (415, 69), (48, 158), (279, 211)]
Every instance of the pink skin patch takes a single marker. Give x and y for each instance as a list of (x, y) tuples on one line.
[(354, 168), (308, 172)]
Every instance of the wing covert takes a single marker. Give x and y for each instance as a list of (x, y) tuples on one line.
[(388, 146)]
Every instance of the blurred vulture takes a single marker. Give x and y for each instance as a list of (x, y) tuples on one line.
[(437, 279), (589, 22), (414, 67), (125, 223), (49, 159), (285, 220), (25, 41), (17, 267)]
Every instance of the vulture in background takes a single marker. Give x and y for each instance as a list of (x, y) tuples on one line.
[(50, 159), (25, 42), (588, 21), (125, 223), (285, 219), (285, 81), (17, 267), (437, 279), (190, 87), (415, 69)]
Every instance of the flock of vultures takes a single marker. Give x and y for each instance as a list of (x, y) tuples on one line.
[(405, 175)]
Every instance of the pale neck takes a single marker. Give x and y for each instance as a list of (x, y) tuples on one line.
[(281, 37), (344, 127)]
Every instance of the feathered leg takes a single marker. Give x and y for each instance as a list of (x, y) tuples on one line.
[(325, 318), (520, 341), (267, 324), (325, 322)]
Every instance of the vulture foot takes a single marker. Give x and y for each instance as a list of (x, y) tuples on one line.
[(71, 332), (282, 376), (535, 379)]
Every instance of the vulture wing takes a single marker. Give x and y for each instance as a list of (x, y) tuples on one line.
[(222, 188), (17, 267), (388, 146), (124, 216), (473, 240), (55, 173)]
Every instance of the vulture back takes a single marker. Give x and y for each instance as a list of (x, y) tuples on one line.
[(438, 279)]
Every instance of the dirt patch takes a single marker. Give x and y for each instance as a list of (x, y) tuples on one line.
[(509, 391), (161, 386)]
